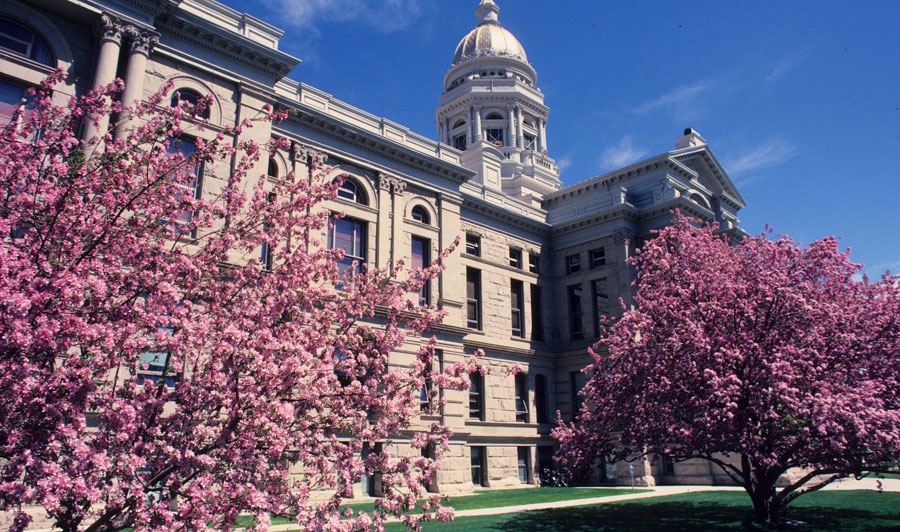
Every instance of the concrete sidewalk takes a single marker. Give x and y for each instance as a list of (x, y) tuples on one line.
[(657, 491)]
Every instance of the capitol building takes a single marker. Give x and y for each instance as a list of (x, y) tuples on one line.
[(539, 264)]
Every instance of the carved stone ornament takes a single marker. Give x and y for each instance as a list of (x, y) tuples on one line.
[(624, 237), (142, 41), (299, 153), (390, 183), (109, 28)]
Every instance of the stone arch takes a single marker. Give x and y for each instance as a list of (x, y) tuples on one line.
[(54, 38), (181, 82), (360, 180), (421, 203)]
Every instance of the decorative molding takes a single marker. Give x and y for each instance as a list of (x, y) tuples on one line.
[(142, 41), (391, 183)]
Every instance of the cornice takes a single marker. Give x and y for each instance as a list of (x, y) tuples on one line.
[(232, 46), (315, 120), (481, 206), (475, 343)]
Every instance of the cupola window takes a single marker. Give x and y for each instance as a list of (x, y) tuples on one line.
[(350, 190)]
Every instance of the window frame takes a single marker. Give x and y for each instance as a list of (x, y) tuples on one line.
[(473, 298), (476, 397), (478, 464), (573, 263), (425, 261), (473, 245), (517, 307), (523, 464), (575, 297), (515, 257), (597, 257), (520, 385), (363, 227)]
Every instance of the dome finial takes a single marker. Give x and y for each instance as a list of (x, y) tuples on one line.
[(487, 12)]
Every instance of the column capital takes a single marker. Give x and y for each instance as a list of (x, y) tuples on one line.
[(392, 184), (109, 28), (142, 41)]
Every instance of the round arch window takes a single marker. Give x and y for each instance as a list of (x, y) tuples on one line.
[(419, 214), (19, 39)]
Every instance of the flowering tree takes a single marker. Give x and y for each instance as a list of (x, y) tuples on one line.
[(761, 357), (156, 375)]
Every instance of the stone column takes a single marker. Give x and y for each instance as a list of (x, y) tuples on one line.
[(142, 42), (511, 134), (110, 34), (543, 136), (383, 242), (520, 131), (398, 187), (479, 136)]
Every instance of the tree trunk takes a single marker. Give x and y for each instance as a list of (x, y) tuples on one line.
[(766, 508)]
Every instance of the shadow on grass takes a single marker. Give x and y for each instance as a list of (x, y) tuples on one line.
[(713, 512)]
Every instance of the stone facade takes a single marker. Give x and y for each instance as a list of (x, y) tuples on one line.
[(542, 262)]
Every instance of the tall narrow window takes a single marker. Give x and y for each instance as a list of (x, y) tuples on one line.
[(188, 184), (272, 170), (478, 465), (473, 245), (10, 96), (515, 258), (421, 258), (533, 263), (600, 299), (668, 465), (540, 399), (523, 464), (349, 235), (537, 322), (576, 323), (476, 396), (516, 300), (598, 257), (265, 253), (522, 397), (577, 381), (459, 142), (473, 298), (573, 263)]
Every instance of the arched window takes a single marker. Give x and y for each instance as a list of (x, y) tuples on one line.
[(459, 123), (700, 200), (351, 190), (191, 97), (494, 116), (19, 39), (419, 214), (273, 168)]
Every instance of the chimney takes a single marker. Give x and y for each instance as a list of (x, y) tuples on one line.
[(690, 139)]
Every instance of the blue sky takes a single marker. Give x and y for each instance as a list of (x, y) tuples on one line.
[(799, 100)]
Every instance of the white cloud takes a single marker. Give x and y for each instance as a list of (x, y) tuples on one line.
[(785, 65), (770, 153), (565, 161), (676, 98), (622, 154), (384, 15)]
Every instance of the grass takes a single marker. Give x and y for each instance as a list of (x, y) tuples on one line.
[(829, 511)]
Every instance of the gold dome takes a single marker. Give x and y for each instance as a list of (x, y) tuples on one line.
[(489, 38)]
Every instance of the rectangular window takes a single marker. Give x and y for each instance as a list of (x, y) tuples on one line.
[(522, 397), (494, 136), (187, 185), (545, 461), (533, 261), (523, 464), (577, 381), (476, 396), (668, 465), (600, 298), (537, 322), (473, 245), (598, 257), (473, 298), (349, 235), (516, 301), (573, 263), (576, 324), (515, 258), (154, 366), (10, 96), (478, 466), (426, 393), (459, 142), (265, 252), (530, 143), (421, 258), (540, 398)]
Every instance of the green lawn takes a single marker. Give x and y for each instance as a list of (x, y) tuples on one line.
[(845, 511)]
